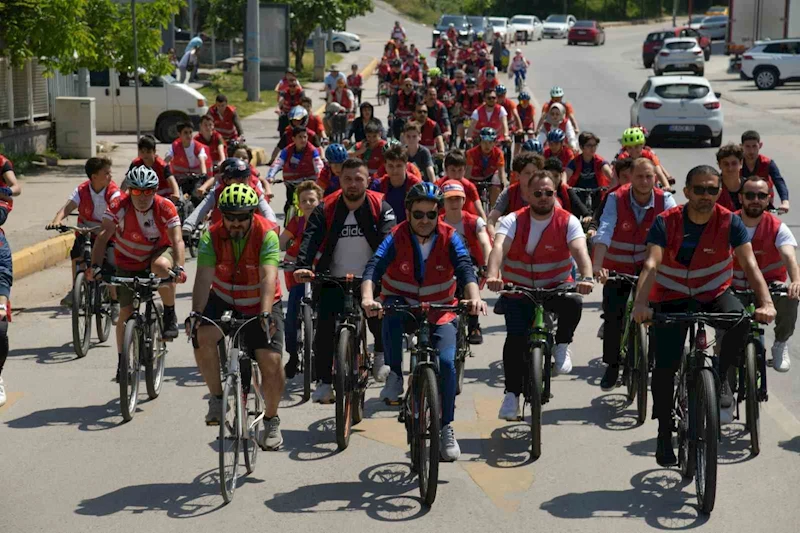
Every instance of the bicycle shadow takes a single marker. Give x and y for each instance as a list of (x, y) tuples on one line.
[(52, 311), (184, 376), (609, 412), (88, 418), (491, 375), (791, 445), (592, 373), (381, 492), (50, 355), (734, 448), (316, 443), (178, 500), (506, 447), (293, 393), (658, 497)]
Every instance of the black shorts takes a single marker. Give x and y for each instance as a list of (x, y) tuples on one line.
[(254, 336)]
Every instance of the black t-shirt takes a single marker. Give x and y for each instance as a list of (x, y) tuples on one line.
[(422, 159), (7, 167)]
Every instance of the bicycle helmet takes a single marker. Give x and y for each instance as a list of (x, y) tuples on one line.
[(298, 112), (532, 145), (644, 131), (424, 191), (396, 63), (488, 134), (336, 153), (434, 72), (391, 142), (500, 90), (235, 168), (472, 81), (524, 96), (632, 137), (556, 135), (142, 177), (556, 92), (238, 198)]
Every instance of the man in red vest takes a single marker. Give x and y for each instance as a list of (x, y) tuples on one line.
[(212, 139), (226, 119), (167, 184), (774, 247), (489, 115), (756, 164), (9, 187), (422, 261), (588, 170), (698, 237), (513, 197), (187, 156), (237, 270), (619, 246), (536, 247), (430, 132)]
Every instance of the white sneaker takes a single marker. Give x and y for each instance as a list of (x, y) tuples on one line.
[(563, 360), (393, 390), (726, 415), (780, 357), (448, 445), (323, 393), (2, 392), (380, 370), (509, 410), (601, 330)]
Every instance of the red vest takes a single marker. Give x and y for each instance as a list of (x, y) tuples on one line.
[(495, 122), (354, 81), (762, 170), (526, 115), (515, 200), (296, 226), (470, 103), (562, 195), (406, 102), (216, 138), (427, 139), (7, 204), (646, 153), (439, 283), (470, 223), (159, 167), (180, 163), (384, 182), (726, 197), (768, 256), (711, 269), (237, 282), (375, 200), (86, 206), (627, 250), (132, 250), (291, 99), (565, 155), (299, 165), (483, 165), (373, 156), (550, 264), (343, 99), (562, 127), (598, 163), (223, 123)]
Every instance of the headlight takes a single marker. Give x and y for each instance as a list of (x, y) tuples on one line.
[(436, 32), (463, 32)]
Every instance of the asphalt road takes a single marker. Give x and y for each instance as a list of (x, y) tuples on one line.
[(69, 464)]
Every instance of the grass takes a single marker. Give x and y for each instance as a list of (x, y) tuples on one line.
[(416, 11), (231, 84), (307, 74)]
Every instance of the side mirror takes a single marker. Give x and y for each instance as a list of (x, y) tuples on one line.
[(717, 94), (632, 96)]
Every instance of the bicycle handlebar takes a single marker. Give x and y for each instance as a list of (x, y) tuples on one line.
[(65, 229), (773, 290), (424, 308), (151, 281), (590, 190), (711, 319), (619, 276), (537, 293)]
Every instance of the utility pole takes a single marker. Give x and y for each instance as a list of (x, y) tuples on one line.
[(252, 80), (191, 18), (136, 69)]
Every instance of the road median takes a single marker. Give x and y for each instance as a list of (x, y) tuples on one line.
[(42, 255)]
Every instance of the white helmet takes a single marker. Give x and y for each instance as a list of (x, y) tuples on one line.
[(556, 92), (142, 177)]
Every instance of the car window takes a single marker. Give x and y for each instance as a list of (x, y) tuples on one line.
[(584, 24), (681, 45), (716, 19), (99, 78), (656, 36), (681, 91), (556, 18), (644, 91), (782, 48)]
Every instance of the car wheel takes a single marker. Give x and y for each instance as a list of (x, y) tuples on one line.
[(339, 48), (766, 78), (647, 64), (167, 126), (716, 142), (707, 53), (701, 72)]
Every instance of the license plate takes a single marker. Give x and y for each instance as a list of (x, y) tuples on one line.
[(684, 129), (682, 65), (581, 33)]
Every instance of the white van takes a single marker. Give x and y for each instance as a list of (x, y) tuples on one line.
[(163, 103)]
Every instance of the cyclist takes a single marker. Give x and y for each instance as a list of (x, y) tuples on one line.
[(761, 165), (526, 113), (423, 241), (519, 67), (633, 140), (314, 123), (439, 82), (356, 128), (309, 195), (472, 230), (557, 97), (418, 155), (455, 167), (486, 162), (371, 148), (527, 241), (167, 184), (555, 147), (699, 236), (354, 82), (237, 270), (555, 119), (244, 153), (300, 161), (623, 169), (774, 247), (513, 197), (620, 246), (514, 121), (288, 99), (226, 119), (405, 100), (452, 33), (437, 111), (9, 187), (395, 184), (729, 160), (335, 155), (298, 118), (588, 170), (431, 133), (147, 238), (213, 140), (91, 198), (411, 168), (186, 156), (341, 235), (398, 33), (6, 280), (342, 96), (468, 101)]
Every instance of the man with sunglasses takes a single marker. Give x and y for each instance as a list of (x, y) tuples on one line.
[(774, 247), (147, 238), (422, 261), (689, 267), (237, 270), (430, 132), (340, 237), (489, 115), (536, 246)]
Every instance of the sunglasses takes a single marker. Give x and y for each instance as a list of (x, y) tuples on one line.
[(754, 195), (237, 218), (539, 194), (699, 190), (139, 192), (419, 215)]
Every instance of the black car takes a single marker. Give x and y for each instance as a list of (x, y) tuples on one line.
[(458, 21), (478, 26)]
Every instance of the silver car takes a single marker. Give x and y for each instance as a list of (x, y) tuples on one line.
[(715, 28), (680, 54)]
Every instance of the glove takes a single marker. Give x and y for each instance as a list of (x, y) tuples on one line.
[(180, 274), (6, 191), (190, 324)]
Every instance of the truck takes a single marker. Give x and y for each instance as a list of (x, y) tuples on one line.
[(754, 20)]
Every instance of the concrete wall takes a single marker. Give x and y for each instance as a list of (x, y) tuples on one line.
[(223, 50), (25, 138)]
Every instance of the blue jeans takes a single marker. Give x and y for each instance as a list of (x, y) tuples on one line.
[(293, 318), (444, 341)]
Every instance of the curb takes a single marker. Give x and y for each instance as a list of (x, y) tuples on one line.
[(41, 255), (366, 72)]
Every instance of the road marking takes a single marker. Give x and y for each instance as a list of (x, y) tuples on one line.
[(785, 419), (11, 399)]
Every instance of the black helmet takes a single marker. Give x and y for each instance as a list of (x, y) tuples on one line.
[(235, 168)]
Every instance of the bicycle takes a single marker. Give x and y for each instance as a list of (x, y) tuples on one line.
[(421, 406), (634, 354), (143, 343), (305, 333), (241, 427), (290, 207), (484, 187), (695, 411), (383, 94)]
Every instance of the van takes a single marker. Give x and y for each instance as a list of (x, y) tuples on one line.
[(163, 103)]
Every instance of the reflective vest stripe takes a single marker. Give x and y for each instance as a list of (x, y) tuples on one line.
[(632, 259), (769, 268), (242, 302), (695, 273), (232, 287), (126, 253), (714, 284), (535, 283), (537, 267)]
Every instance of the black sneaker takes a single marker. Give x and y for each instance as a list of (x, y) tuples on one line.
[(170, 324), (609, 381), (291, 366), (725, 395), (475, 336), (116, 377), (665, 455)]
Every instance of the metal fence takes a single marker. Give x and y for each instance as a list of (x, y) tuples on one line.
[(24, 94)]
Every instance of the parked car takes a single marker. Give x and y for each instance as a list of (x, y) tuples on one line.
[(557, 26), (343, 41), (587, 31), (527, 27), (680, 54), (478, 26), (678, 107), (694, 19), (458, 21), (499, 25), (655, 41), (715, 28), (717, 10), (772, 63)]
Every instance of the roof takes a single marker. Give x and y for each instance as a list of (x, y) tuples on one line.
[(669, 80), (771, 41)]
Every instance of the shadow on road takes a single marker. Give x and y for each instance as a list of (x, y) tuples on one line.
[(385, 492), (592, 373), (734, 448), (184, 376), (318, 442), (492, 375), (49, 355), (508, 447), (611, 412), (293, 393), (792, 445), (88, 418)]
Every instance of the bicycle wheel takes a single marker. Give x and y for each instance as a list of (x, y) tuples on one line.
[(462, 347), (230, 437), (751, 397), (427, 425), (536, 381), (130, 369), (685, 401), (103, 314), (81, 315), (154, 363), (342, 386), (308, 339), (641, 371), (706, 421), (360, 376), (253, 429)]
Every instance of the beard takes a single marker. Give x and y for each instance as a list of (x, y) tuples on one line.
[(354, 196), (753, 211), (704, 206), (542, 210)]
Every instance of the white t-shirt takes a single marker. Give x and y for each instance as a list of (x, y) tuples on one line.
[(783, 237), (352, 252), (190, 157), (479, 224), (503, 112), (98, 201), (508, 227), (426, 249)]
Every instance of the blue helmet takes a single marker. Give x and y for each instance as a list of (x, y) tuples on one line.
[(532, 145), (524, 96), (424, 191), (336, 153), (488, 134), (500, 90), (556, 135)]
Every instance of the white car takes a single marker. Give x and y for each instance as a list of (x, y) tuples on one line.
[(678, 107), (680, 54), (499, 25), (772, 63), (528, 27), (344, 41), (557, 26)]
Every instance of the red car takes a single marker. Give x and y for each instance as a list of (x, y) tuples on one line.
[(586, 31), (655, 40)]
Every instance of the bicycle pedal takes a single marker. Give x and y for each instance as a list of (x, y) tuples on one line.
[(393, 404), (212, 424)]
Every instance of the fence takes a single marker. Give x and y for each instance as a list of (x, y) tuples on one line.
[(24, 94)]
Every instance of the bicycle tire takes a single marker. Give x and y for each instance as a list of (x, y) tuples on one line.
[(103, 315), (537, 361), (229, 438), (707, 434), (642, 372), (253, 432), (155, 361), (462, 346), (685, 399), (308, 342), (427, 428), (81, 316), (341, 383), (130, 369), (357, 372), (751, 397)]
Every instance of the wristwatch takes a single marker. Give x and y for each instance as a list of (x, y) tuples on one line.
[(584, 279)]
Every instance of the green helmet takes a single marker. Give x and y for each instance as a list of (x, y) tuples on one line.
[(238, 198), (434, 71), (391, 142), (632, 137)]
